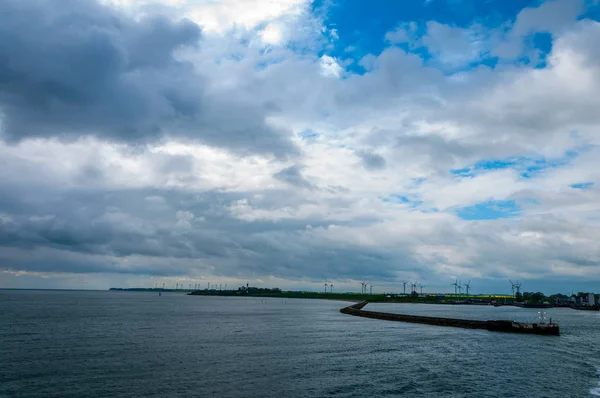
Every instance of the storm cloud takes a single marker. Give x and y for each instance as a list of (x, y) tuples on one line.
[(71, 68)]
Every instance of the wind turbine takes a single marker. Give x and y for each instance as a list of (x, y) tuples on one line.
[(326, 285), (456, 286), (331, 287), (362, 287), (421, 286), (371, 287), (468, 287), (515, 286), (404, 288)]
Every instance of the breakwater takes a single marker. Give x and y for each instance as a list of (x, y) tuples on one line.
[(494, 325)]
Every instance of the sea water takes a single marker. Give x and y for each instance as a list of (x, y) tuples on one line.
[(131, 344), (596, 391)]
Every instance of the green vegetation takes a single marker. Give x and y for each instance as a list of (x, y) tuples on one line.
[(526, 298), (350, 296), (255, 292)]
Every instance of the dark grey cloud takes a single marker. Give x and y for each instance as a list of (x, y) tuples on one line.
[(70, 68), (293, 176), (136, 231), (89, 231), (371, 160)]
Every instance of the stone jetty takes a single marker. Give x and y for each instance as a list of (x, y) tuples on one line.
[(494, 325)]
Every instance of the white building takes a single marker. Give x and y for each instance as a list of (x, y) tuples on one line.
[(591, 301)]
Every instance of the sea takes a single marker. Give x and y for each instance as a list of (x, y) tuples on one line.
[(140, 344)]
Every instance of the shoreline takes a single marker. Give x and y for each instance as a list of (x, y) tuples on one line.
[(482, 300)]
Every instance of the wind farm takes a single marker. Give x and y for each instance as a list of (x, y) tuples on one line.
[(416, 291), (406, 291)]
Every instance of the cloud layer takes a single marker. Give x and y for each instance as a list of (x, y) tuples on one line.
[(146, 142)]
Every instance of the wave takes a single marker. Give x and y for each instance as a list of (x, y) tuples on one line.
[(596, 391)]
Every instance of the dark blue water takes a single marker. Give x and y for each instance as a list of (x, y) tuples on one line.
[(126, 344)]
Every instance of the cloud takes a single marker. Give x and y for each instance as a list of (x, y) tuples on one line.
[(370, 160), (230, 153), (330, 66), (554, 17), (551, 16), (404, 33), (447, 45), (80, 68), (454, 46), (219, 16), (293, 176)]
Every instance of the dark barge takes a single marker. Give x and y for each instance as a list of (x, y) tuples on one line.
[(551, 329)]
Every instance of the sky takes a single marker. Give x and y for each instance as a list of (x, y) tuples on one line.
[(286, 143)]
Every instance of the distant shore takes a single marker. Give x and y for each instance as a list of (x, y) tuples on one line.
[(440, 299), (341, 296)]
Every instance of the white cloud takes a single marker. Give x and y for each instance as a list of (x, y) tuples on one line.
[(272, 34), (405, 33), (553, 16), (330, 66), (455, 46), (218, 16), (179, 208)]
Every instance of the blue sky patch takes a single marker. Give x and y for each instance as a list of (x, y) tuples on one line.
[(413, 202), (418, 181), (582, 185), (308, 135), (490, 210), (485, 165), (542, 43), (528, 167), (592, 10)]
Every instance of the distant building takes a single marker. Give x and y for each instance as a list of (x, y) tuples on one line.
[(584, 299)]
